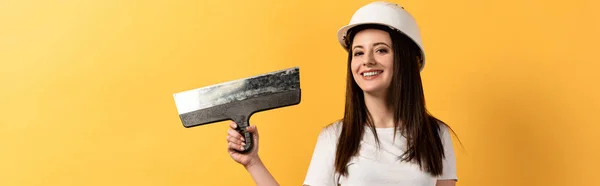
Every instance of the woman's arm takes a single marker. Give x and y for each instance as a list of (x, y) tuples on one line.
[(260, 174), (251, 160)]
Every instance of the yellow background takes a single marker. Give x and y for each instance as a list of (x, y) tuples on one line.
[(86, 87)]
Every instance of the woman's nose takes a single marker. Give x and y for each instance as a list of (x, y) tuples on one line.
[(369, 59)]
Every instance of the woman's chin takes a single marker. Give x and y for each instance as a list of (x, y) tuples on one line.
[(373, 91)]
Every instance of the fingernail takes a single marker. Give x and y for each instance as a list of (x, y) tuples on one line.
[(243, 144), (242, 138), (241, 148)]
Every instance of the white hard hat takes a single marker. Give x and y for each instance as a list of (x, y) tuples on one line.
[(388, 14)]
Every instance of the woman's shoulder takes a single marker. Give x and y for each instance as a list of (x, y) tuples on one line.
[(443, 128), (446, 133), (327, 137), (334, 128), (331, 131)]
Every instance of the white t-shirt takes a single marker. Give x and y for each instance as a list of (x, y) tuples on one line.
[(372, 166)]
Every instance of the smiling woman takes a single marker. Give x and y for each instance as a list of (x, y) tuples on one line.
[(387, 136), (87, 90), (372, 60)]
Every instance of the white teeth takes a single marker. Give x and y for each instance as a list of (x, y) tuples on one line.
[(372, 73)]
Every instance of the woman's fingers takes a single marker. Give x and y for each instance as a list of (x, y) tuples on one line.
[(234, 134), (233, 125), (234, 140), (236, 146)]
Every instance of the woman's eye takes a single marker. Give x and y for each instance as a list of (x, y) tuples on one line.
[(358, 53), (382, 50)]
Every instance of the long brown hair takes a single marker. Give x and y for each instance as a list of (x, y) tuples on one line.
[(405, 98)]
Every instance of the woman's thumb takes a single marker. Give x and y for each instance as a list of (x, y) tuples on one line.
[(252, 129)]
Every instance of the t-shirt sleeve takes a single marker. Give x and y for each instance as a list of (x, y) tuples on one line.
[(449, 162), (321, 171)]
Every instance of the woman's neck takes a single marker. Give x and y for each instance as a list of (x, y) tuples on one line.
[(377, 107)]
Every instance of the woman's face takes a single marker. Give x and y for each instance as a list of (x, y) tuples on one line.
[(372, 61)]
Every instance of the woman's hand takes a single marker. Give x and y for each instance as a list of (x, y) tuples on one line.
[(236, 141), (250, 160)]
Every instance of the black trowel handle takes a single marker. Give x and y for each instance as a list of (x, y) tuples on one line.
[(241, 128)]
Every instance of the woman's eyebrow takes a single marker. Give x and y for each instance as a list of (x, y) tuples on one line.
[(381, 43), (374, 44)]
